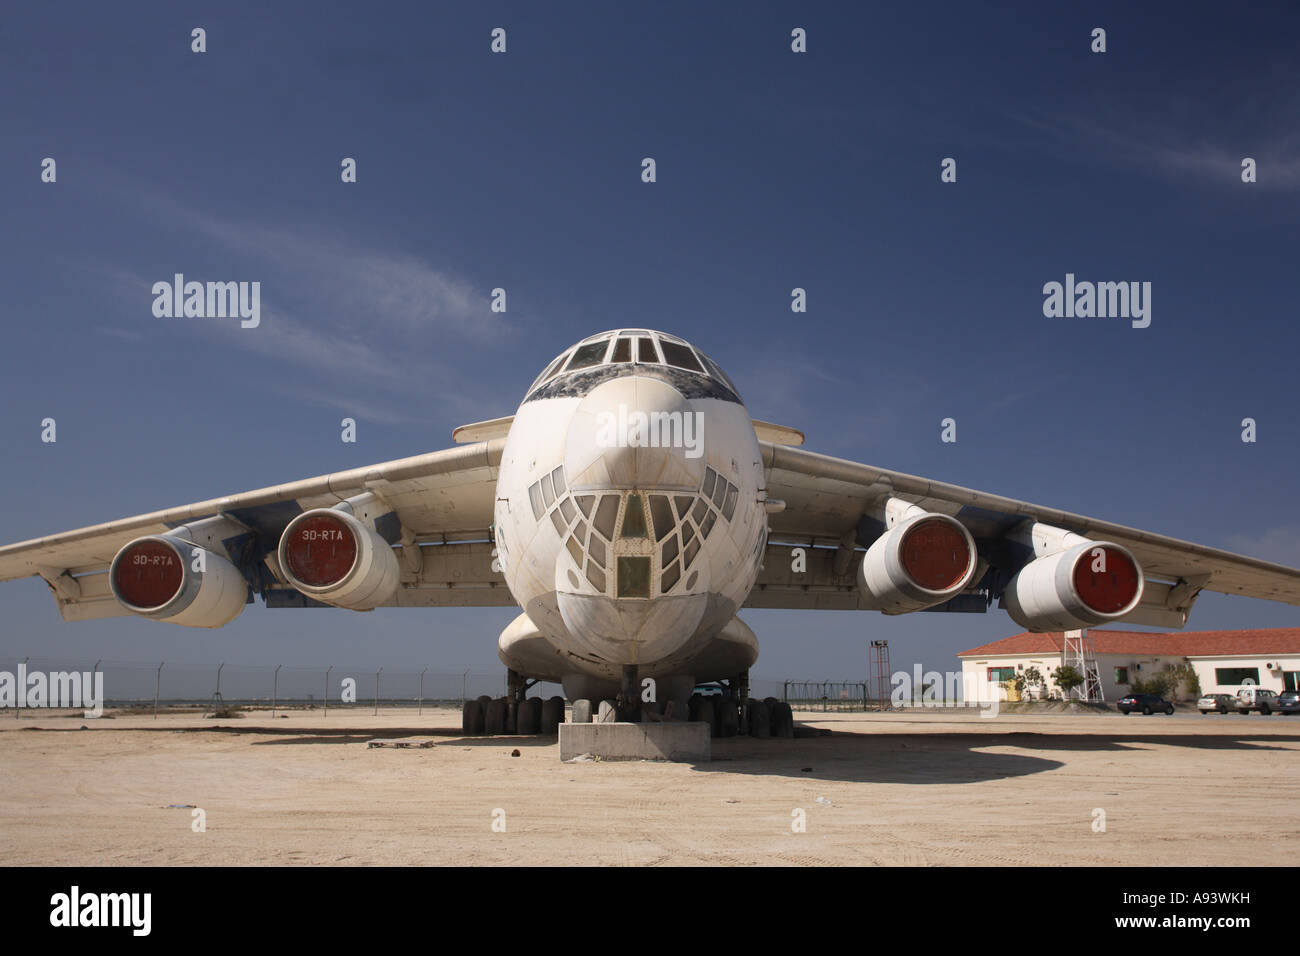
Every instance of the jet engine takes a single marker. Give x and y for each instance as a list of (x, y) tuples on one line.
[(335, 558), (170, 579), (919, 563), (1089, 583)]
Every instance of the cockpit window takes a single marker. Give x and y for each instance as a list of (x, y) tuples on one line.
[(717, 373), (587, 355), (680, 356), (550, 370), (625, 346)]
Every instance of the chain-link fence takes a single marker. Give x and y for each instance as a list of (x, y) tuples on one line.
[(135, 684), (826, 695)]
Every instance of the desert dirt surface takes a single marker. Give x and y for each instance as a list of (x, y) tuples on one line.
[(914, 787)]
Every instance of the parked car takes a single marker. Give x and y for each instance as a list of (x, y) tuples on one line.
[(1288, 702), (1216, 704), (1147, 703), (1256, 698)]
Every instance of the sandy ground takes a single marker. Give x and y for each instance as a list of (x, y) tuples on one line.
[(937, 788)]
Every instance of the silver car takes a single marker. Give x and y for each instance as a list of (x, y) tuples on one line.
[(1216, 704)]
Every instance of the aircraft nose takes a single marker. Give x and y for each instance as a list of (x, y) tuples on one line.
[(635, 432)]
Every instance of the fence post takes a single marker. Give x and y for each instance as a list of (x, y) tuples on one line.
[(275, 689), (156, 688), (327, 689), (420, 709), (20, 691), (377, 673), (464, 686)]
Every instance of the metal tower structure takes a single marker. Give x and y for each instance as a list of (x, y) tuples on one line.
[(878, 683), (1079, 653)]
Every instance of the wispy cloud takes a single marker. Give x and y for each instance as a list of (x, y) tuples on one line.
[(129, 335), (1197, 135), (1174, 150), (369, 328), (1280, 544), (791, 390)]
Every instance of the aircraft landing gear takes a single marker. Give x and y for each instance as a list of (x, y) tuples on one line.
[(515, 713), (734, 712), (740, 697), (628, 702)]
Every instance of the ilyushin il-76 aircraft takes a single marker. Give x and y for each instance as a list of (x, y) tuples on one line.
[(630, 508)]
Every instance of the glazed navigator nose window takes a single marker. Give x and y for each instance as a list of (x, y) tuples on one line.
[(633, 577), (634, 518)]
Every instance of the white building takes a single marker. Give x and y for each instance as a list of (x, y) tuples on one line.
[(1224, 661)]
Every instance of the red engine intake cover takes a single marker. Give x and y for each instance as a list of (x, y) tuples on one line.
[(934, 554), (321, 551), (1108, 582), (148, 574)]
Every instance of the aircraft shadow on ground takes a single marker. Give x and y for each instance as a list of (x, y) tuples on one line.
[(853, 758), (943, 758), (913, 758), (279, 736)]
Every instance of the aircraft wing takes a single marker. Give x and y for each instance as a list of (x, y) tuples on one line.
[(828, 506), (444, 501)]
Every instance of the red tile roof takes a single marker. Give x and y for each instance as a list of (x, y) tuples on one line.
[(1274, 641)]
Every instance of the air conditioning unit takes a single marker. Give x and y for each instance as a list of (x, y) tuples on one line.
[(1272, 666)]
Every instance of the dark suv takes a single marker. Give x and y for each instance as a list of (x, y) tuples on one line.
[(1147, 703), (1288, 702)]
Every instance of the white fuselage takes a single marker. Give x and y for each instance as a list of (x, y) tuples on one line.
[(629, 523)]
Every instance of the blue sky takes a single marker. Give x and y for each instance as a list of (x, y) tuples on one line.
[(522, 171)]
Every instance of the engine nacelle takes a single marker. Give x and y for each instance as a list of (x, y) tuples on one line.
[(1085, 584), (335, 558), (920, 562), (170, 579)]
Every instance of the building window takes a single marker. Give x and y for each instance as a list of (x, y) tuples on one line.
[(1236, 675), (999, 674), (1121, 675)]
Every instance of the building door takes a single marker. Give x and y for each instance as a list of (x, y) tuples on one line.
[(1291, 680)]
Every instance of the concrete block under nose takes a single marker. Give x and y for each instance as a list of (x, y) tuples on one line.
[(686, 741)]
